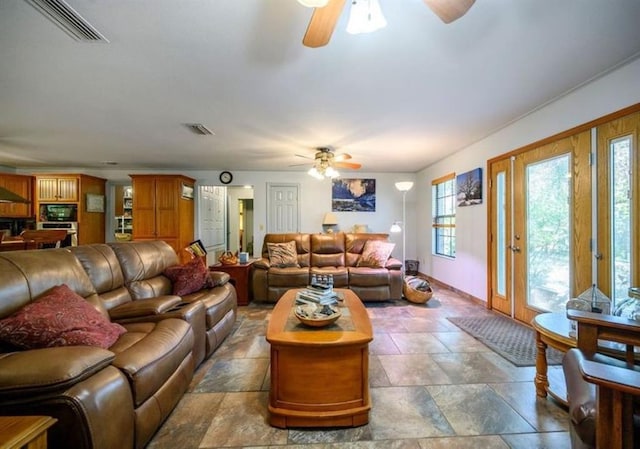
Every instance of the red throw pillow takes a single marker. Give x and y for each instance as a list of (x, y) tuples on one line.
[(59, 317), (190, 277)]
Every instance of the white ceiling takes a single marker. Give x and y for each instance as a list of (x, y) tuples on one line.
[(397, 100)]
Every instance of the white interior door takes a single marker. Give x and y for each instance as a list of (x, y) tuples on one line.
[(212, 212), (283, 208)]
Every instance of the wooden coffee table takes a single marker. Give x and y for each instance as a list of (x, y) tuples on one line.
[(319, 377)]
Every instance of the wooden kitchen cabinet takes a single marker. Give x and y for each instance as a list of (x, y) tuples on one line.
[(73, 189), (163, 210), (21, 185), (57, 189)]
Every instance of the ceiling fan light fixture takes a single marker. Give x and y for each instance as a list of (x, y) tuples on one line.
[(331, 172), (313, 171), (365, 17), (314, 3)]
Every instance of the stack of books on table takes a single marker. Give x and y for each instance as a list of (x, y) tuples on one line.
[(317, 295)]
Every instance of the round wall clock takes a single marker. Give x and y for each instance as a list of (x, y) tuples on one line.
[(226, 177)]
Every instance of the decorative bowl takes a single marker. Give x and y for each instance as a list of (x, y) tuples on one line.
[(316, 315)]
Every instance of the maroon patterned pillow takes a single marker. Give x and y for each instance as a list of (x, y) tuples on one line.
[(59, 317), (190, 277)]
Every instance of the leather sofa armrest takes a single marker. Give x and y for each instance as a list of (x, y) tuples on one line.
[(144, 307), (393, 264), (219, 278), (42, 371), (262, 264)]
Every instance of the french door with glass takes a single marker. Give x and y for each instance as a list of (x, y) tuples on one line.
[(540, 225), (617, 247)]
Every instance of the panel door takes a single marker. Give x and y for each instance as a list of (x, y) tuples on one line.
[(618, 251), (47, 189), (68, 190), (551, 241), (144, 214), (500, 237), (283, 208), (167, 213)]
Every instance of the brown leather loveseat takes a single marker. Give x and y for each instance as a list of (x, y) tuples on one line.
[(113, 397), (129, 278), (339, 255)]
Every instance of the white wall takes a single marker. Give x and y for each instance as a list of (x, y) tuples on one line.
[(468, 271)]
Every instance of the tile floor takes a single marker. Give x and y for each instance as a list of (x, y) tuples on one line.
[(432, 387)]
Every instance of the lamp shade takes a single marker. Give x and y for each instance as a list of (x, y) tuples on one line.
[(404, 186), (365, 17), (330, 219)]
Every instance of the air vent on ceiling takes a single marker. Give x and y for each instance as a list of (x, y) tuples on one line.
[(199, 128), (68, 19)]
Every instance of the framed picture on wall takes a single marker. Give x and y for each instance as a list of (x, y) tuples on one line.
[(469, 188), (354, 195), (187, 191), (95, 203)]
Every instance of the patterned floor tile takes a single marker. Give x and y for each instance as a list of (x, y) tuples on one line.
[(477, 410)]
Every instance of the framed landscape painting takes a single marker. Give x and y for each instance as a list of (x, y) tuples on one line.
[(353, 195), (469, 188)]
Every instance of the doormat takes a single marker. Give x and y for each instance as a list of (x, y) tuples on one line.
[(512, 340)]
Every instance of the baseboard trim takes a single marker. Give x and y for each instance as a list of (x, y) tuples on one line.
[(464, 295)]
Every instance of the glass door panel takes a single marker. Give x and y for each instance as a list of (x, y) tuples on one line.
[(501, 219), (621, 250), (548, 233), (551, 243)]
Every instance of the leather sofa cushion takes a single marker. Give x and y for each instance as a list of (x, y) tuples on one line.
[(288, 277), (144, 259), (368, 277), (327, 250), (41, 371), (149, 353), (145, 307), (217, 301), (25, 275)]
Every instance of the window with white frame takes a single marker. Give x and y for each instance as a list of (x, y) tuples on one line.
[(444, 215)]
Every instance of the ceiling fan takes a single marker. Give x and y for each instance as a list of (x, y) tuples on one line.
[(324, 18), (326, 161)]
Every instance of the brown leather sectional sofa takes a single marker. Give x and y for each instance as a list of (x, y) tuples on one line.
[(335, 254), (116, 397)]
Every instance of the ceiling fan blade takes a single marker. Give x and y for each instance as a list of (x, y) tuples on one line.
[(449, 10), (323, 21), (352, 165), (341, 157), (304, 156)]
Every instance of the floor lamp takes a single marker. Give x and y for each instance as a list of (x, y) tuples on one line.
[(404, 187)]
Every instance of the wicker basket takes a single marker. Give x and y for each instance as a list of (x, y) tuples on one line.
[(228, 258), (416, 290)]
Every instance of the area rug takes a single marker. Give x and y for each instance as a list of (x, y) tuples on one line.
[(512, 340)]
